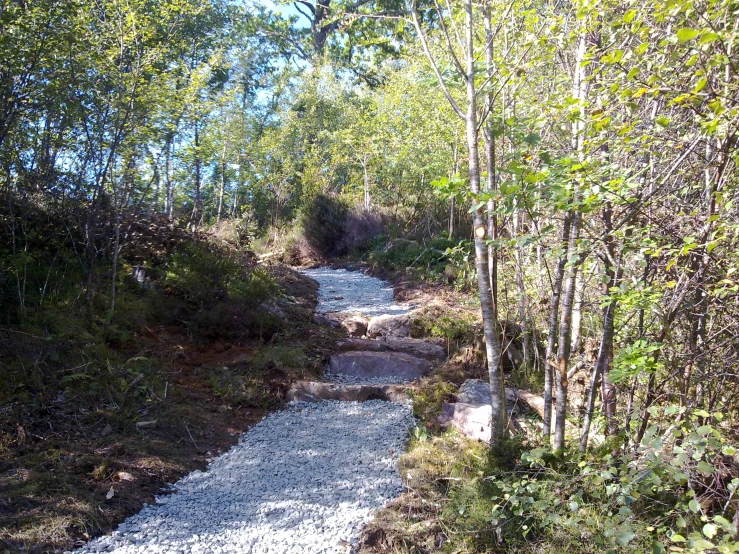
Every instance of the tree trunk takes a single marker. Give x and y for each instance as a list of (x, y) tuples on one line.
[(489, 137), (565, 330), (366, 187), (577, 311), (221, 192), (169, 193), (549, 362), (601, 371), (488, 308), (196, 210)]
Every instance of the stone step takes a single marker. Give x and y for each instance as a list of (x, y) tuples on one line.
[(415, 347), (374, 365), (390, 325), (315, 391)]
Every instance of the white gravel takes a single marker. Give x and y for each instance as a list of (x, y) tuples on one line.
[(354, 292), (301, 481), (352, 380)]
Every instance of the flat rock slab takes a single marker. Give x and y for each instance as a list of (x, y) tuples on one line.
[(314, 391), (389, 325), (414, 347), (373, 365)]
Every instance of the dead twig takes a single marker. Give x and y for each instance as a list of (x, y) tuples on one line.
[(190, 434)]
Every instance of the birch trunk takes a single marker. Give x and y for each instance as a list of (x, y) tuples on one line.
[(549, 362), (565, 332), (488, 308)]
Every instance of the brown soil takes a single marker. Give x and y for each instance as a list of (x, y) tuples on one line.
[(68, 474)]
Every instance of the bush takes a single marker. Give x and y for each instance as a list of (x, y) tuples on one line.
[(675, 493), (360, 227), (322, 222), (202, 274), (438, 259)]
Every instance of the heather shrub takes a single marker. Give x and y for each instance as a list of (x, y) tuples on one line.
[(322, 222), (360, 227)]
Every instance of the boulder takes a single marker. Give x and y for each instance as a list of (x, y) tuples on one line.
[(390, 326), (472, 413), (512, 357), (415, 347), (477, 393), (355, 325), (379, 364), (324, 321), (471, 420), (313, 391)]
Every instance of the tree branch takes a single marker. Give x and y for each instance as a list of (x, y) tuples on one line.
[(432, 61)]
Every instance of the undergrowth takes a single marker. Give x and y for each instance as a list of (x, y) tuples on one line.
[(676, 493), (439, 259)]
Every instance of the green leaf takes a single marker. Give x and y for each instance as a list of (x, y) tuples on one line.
[(694, 506), (626, 537), (685, 34), (700, 545), (662, 121), (632, 73), (629, 16), (705, 468), (708, 37), (710, 530)]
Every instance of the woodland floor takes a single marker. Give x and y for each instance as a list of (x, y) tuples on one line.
[(58, 463)]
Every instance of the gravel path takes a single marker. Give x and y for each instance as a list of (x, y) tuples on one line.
[(303, 481), (300, 482), (354, 292)]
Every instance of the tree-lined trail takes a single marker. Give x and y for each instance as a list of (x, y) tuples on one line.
[(307, 478), (563, 173)]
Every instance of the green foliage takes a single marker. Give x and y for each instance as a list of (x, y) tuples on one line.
[(440, 258), (200, 273), (453, 326), (674, 492), (428, 398)]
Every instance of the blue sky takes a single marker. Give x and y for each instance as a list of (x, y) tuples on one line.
[(286, 9)]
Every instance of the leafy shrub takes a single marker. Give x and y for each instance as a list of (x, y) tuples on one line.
[(200, 274), (454, 326), (429, 397), (439, 259), (322, 222), (676, 492)]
